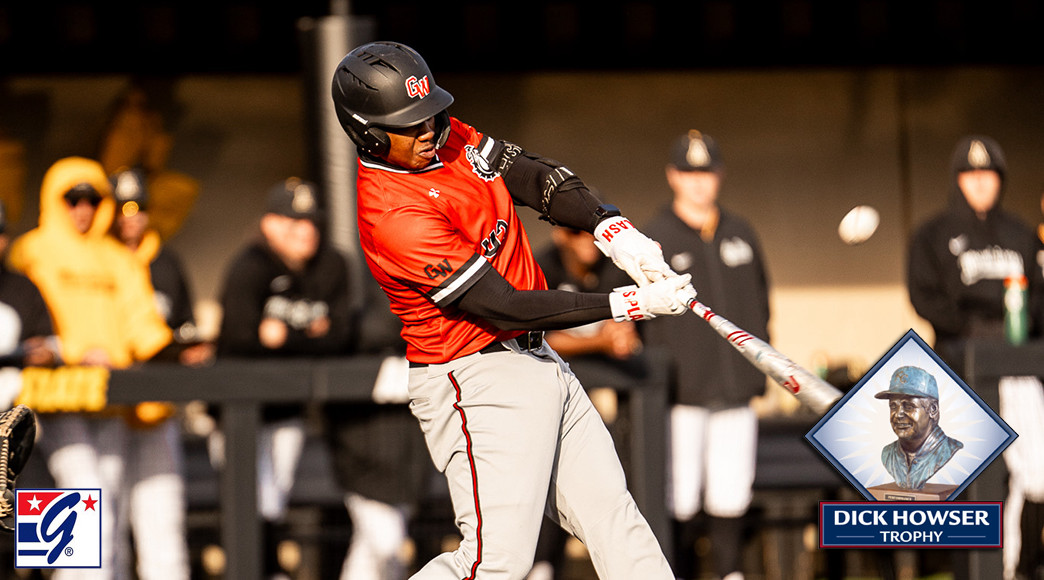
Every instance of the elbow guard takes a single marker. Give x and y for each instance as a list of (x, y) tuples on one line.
[(533, 180), (536, 182), (554, 183)]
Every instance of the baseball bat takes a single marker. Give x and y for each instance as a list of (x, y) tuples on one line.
[(811, 390)]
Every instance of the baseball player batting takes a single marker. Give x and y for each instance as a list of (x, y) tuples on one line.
[(504, 419)]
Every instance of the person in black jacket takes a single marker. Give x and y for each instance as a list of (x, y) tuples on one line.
[(959, 258), (285, 295), (573, 262), (713, 428)]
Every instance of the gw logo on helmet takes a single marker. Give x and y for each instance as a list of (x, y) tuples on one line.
[(417, 88)]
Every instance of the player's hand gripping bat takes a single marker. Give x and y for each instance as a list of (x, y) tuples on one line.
[(811, 390)]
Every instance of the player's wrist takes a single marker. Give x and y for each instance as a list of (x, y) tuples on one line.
[(624, 304), (611, 227), (668, 297), (604, 212)]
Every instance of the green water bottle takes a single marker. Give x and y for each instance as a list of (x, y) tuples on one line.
[(1015, 319)]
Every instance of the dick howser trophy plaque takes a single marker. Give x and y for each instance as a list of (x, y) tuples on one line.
[(910, 431)]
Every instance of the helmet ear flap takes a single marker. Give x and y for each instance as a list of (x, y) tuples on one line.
[(442, 128), (372, 140), (377, 140)]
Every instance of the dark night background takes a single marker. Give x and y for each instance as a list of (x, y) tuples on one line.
[(227, 36)]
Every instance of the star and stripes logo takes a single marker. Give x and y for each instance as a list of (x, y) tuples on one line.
[(58, 528)]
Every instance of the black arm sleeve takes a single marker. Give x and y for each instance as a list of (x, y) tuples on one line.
[(544, 185), (494, 299)]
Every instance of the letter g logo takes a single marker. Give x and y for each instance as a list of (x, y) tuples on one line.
[(63, 529)]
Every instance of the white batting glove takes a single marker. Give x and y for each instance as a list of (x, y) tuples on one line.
[(632, 251), (668, 297)]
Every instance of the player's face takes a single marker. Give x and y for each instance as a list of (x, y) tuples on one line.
[(694, 188), (82, 208), (412, 147), (981, 188), (131, 224), (295, 241), (911, 419)]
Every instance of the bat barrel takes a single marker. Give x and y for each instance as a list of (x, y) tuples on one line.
[(811, 390)]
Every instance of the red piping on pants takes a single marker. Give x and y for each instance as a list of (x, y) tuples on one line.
[(474, 477)]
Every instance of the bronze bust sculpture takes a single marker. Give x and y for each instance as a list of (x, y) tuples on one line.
[(922, 448)]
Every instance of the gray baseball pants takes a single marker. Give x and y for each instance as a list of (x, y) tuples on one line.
[(515, 434)]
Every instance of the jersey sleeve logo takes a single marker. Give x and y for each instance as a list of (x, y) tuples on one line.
[(480, 159), (441, 269), (494, 239), (454, 282)]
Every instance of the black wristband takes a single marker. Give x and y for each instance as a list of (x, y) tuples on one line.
[(603, 212)]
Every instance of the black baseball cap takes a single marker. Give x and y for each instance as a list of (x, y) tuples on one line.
[(295, 198), (128, 187), (82, 191), (695, 151), (974, 152)]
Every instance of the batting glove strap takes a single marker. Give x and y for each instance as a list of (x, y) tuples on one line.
[(631, 251), (669, 297)]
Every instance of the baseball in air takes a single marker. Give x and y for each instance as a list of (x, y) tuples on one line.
[(858, 225)]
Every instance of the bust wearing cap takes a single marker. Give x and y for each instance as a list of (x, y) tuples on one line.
[(922, 448)]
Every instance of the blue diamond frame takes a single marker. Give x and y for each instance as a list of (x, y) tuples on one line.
[(909, 336)]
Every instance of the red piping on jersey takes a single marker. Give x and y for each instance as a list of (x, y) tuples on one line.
[(474, 477)]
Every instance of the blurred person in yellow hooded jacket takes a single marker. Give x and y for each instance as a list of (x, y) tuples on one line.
[(100, 297), (101, 301)]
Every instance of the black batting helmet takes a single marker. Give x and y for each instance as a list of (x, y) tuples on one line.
[(386, 84)]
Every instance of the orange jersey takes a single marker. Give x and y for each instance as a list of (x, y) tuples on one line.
[(428, 235)]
